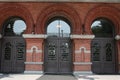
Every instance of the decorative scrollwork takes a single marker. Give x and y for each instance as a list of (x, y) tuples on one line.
[(7, 55), (51, 51), (20, 51), (108, 48), (96, 52), (65, 51)]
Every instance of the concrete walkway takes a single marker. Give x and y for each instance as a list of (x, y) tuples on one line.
[(19, 76), (97, 77), (58, 77)]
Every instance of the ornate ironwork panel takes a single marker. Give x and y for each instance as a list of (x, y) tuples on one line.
[(7, 55), (13, 55), (103, 55), (96, 52), (20, 49), (108, 49), (51, 51), (65, 51)]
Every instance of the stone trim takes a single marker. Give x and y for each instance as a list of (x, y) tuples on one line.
[(31, 51), (78, 73), (81, 72), (34, 49), (84, 50), (117, 37), (33, 72), (0, 35), (108, 1), (75, 36), (44, 36), (82, 63), (40, 63)]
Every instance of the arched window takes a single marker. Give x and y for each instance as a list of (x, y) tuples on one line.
[(102, 28), (13, 27), (58, 27)]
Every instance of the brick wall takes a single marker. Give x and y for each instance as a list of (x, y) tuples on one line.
[(34, 55), (81, 16), (82, 55)]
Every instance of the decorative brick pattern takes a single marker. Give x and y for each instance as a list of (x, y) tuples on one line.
[(58, 10), (103, 11), (8, 10), (34, 54)]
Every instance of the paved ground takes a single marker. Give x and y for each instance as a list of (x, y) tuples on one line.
[(58, 77), (19, 76), (97, 77)]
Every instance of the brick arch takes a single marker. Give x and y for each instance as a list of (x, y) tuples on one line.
[(58, 10), (7, 10), (103, 11)]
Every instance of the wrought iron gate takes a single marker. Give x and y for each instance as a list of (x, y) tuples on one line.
[(13, 54), (103, 55), (58, 55)]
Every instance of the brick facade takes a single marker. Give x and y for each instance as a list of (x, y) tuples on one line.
[(80, 15)]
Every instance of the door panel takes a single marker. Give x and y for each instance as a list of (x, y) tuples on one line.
[(13, 54), (7, 50), (96, 56), (108, 56), (51, 56), (103, 55), (20, 55), (65, 56), (58, 55)]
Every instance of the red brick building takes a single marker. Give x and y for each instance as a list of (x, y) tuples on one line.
[(91, 51)]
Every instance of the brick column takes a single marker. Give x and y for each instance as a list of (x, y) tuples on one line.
[(34, 55), (82, 56)]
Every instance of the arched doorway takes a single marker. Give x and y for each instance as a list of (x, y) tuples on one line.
[(13, 46), (103, 47), (58, 49)]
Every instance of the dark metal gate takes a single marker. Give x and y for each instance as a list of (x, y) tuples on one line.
[(13, 54), (58, 55), (103, 55)]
